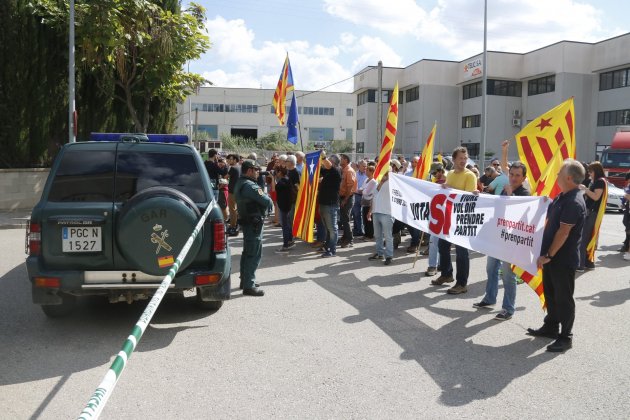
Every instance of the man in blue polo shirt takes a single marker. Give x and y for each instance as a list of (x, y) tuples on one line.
[(560, 257)]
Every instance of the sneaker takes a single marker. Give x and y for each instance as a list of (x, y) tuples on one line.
[(589, 266), (282, 250), (503, 316), (431, 271), (458, 289), (388, 261), (327, 254), (441, 280), (290, 245), (626, 256), (412, 249), (375, 257), (347, 244), (482, 304), (580, 269)]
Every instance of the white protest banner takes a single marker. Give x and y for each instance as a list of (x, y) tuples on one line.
[(507, 228)]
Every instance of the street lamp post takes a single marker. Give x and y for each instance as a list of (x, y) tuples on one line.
[(71, 104)]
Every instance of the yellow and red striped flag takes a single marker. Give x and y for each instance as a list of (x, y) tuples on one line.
[(307, 198), (547, 185), (389, 139), (423, 167), (540, 138), (285, 85), (592, 243)]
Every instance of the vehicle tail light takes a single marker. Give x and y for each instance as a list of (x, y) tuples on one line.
[(33, 239), (53, 282), (219, 242), (201, 280)]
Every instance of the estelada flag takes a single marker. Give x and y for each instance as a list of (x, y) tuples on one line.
[(538, 141), (285, 85), (421, 171), (547, 186), (389, 139), (304, 217)]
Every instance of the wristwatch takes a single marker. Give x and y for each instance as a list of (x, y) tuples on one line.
[(548, 256)]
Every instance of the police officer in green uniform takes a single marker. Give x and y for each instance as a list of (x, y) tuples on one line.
[(252, 203)]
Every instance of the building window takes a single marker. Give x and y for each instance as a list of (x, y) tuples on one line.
[(504, 87), (614, 79), (361, 124), (360, 147), (349, 134), (472, 90), (249, 109), (471, 121), (212, 130), (412, 94), (320, 134), (207, 107), (317, 110), (543, 85), (367, 96), (349, 112), (617, 117), (473, 150)]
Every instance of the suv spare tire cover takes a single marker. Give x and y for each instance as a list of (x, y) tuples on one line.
[(153, 227)]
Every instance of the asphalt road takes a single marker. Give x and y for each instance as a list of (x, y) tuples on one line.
[(333, 338)]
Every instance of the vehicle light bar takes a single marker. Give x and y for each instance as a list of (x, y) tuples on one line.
[(151, 138)]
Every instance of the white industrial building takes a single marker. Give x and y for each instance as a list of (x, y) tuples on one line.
[(324, 116), (520, 88)]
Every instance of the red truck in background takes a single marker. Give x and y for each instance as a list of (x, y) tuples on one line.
[(616, 158)]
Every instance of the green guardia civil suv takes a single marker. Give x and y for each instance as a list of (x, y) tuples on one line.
[(114, 216)]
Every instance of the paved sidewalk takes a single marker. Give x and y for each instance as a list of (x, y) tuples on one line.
[(14, 219)]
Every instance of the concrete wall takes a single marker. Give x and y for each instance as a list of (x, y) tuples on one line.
[(21, 188)]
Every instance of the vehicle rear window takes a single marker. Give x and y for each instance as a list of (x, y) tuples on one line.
[(86, 176), (138, 171)]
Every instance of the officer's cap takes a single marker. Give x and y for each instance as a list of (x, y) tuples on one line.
[(249, 164)]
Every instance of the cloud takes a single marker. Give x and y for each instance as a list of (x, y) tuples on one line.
[(457, 25), (238, 60)]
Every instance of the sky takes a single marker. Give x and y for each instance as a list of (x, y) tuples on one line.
[(328, 41)]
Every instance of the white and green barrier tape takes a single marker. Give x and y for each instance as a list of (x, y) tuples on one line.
[(99, 398)]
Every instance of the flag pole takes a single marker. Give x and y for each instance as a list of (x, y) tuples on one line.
[(484, 88), (300, 134)]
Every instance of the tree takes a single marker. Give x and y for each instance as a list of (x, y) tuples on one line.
[(135, 49)]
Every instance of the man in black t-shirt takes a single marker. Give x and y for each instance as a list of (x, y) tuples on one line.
[(214, 170), (329, 201), (560, 257)]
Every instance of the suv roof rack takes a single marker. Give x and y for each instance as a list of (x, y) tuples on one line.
[(140, 137)]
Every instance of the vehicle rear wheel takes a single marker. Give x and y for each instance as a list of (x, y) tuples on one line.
[(211, 305), (65, 308)]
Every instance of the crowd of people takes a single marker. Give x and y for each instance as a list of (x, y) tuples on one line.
[(352, 201)]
